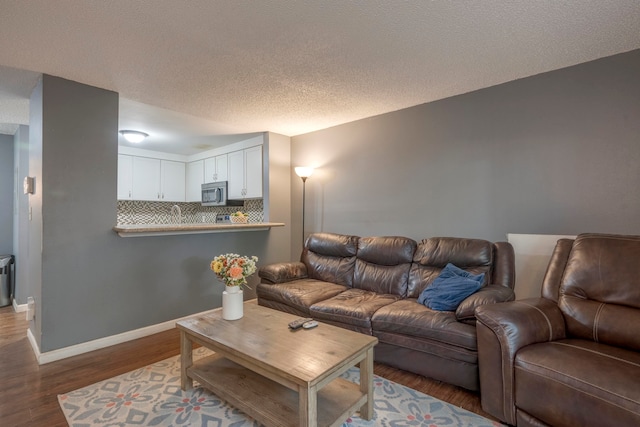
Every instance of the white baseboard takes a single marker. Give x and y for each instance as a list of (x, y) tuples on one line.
[(34, 344), (19, 307), (74, 350)]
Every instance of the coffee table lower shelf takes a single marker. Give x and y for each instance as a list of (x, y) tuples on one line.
[(269, 402)]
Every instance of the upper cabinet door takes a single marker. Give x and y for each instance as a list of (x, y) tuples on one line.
[(215, 168), (146, 179), (235, 176), (222, 167), (253, 172), (194, 181), (125, 177), (245, 173), (173, 180), (210, 173)]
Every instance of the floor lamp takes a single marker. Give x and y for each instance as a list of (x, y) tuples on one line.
[(304, 173)]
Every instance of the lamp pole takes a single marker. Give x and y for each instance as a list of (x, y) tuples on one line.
[(304, 173), (304, 187)]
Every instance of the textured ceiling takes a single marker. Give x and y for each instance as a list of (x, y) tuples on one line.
[(241, 66)]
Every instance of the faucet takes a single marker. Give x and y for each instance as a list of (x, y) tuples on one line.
[(176, 213)]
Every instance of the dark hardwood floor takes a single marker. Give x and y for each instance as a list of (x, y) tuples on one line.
[(28, 391)]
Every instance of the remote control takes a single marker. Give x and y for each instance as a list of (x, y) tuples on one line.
[(297, 324), (310, 324)]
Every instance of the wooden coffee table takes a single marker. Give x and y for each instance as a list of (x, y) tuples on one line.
[(279, 377)]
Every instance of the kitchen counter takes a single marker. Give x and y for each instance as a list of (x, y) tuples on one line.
[(144, 230)]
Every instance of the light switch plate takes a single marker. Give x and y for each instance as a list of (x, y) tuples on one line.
[(29, 185)]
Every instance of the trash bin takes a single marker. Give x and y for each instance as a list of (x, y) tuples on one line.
[(6, 279)]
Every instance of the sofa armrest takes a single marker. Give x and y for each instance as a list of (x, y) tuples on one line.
[(502, 330), (504, 270), (490, 294), (282, 272)]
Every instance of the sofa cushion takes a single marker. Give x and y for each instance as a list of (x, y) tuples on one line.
[(330, 257), (432, 255), (409, 318), (383, 264), (299, 294), (351, 307), (599, 293), (578, 382), (449, 289)]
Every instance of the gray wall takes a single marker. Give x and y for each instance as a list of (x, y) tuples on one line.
[(34, 250), (277, 196), (6, 194), (556, 153), (21, 214), (95, 284)]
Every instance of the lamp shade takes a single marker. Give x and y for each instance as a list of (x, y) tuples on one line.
[(134, 135), (303, 171)]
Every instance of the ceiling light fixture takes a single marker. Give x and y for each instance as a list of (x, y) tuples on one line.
[(134, 135)]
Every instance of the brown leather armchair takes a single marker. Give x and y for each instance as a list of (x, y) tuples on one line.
[(571, 357)]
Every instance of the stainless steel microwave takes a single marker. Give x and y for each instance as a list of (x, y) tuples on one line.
[(215, 194)]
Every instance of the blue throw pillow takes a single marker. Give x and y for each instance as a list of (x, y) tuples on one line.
[(450, 288)]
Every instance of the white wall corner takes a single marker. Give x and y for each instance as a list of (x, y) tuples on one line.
[(532, 255)]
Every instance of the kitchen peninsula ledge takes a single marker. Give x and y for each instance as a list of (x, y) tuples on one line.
[(144, 230)]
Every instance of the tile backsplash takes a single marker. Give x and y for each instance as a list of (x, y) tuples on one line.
[(141, 212)]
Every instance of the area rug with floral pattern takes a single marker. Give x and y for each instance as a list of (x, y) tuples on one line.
[(151, 396)]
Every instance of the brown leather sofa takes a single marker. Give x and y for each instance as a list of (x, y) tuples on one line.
[(371, 285), (571, 357)]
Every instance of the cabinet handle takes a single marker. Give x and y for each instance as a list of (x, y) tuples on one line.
[(158, 195), (163, 195), (129, 193)]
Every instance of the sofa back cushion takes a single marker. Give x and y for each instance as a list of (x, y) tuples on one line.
[(330, 257), (432, 255), (600, 289), (383, 264)]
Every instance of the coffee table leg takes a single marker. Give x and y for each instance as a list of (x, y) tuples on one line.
[(366, 385), (308, 406), (186, 360)]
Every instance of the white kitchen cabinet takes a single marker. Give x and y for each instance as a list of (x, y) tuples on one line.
[(125, 177), (157, 180), (146, 179), (253, 172), (151, 176), (215, 168), (194, 181), (235, 186), (172, 183), (245, 173)]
